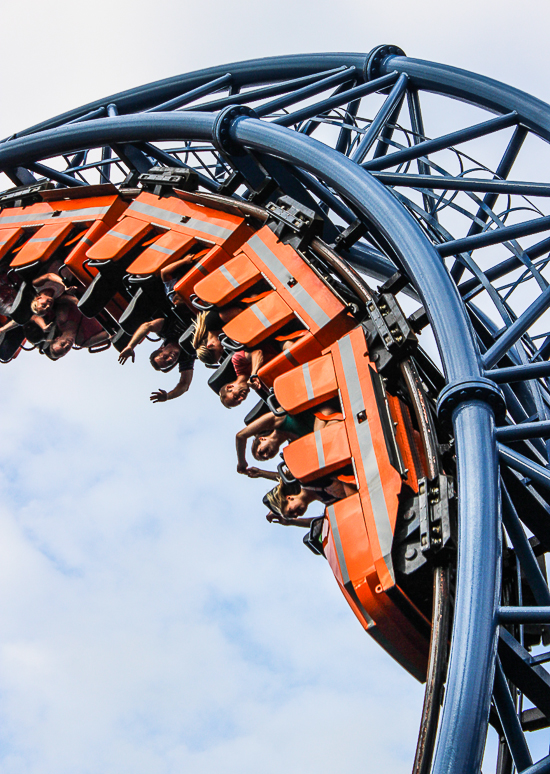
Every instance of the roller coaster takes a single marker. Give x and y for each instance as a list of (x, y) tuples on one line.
[(381, 286)]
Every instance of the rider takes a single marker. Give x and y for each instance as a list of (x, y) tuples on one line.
[(165, 357)]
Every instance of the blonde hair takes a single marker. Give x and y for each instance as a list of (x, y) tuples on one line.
[(276, 500), (200, 337), (200, 333)]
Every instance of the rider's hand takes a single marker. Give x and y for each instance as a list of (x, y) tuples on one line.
[(255, 382), (125, 354), (253, 472), (159, 397)]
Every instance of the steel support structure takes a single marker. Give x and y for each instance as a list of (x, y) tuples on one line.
[(403, 233)]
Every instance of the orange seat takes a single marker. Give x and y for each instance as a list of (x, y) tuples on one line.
[(8, 238), (75, 261), (378, 460), (168, 248), (390, 618), (315, 303), (203, 223), (121, 238), (228, 281), (318, 453), (258, 321), (42, 244), (210, 261), (307, 386), (300, 351)]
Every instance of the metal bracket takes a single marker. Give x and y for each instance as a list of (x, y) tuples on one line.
[(477, 388), (350, 235), (292, 222), (220, 131), (390, 338), (373, 67), (162, 180), (25, 195), (434, 497)]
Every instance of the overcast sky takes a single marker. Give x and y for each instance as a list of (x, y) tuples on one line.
[(151, 620)]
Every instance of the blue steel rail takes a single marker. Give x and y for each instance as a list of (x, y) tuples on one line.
[(250, 130)]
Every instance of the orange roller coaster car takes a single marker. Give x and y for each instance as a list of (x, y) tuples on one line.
[(332, 349)]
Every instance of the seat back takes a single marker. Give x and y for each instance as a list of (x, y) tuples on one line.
[(229, 281), (302, 289), (308, 385), (319, 453), (223, 375), (168, 248), (258, 321), (302, 350)]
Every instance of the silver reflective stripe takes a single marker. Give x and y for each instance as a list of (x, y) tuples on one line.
[(229, 277), (320, 450), (121, 236), (87, 241), (161, 249), (342, 561), (175, 217), (297, 291), (201, 268), (209, 228), (87, 212), (90, 213), (368, 455), (42, 239), (260, 315), (307, 380)]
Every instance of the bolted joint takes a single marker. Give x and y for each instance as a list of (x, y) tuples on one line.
[(222, 125), (477, 388), (373, 67)]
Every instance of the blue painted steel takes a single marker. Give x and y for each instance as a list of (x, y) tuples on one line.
[(489, 200), (54, 174), (525, 430), (344, 74), (519, 373), (540, 615), (522, 464), (381, 118), (87, 116), (189, 96), (518, 328), (493, 237), (251, 72), (440, 143), (495, 96), (336, 100), (509, 720), (470, 674), (463, 184), (542, 767), (266, 92), (466, 704), (524, 551)]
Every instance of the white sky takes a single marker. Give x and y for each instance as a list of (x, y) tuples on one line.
[(151, 621)]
